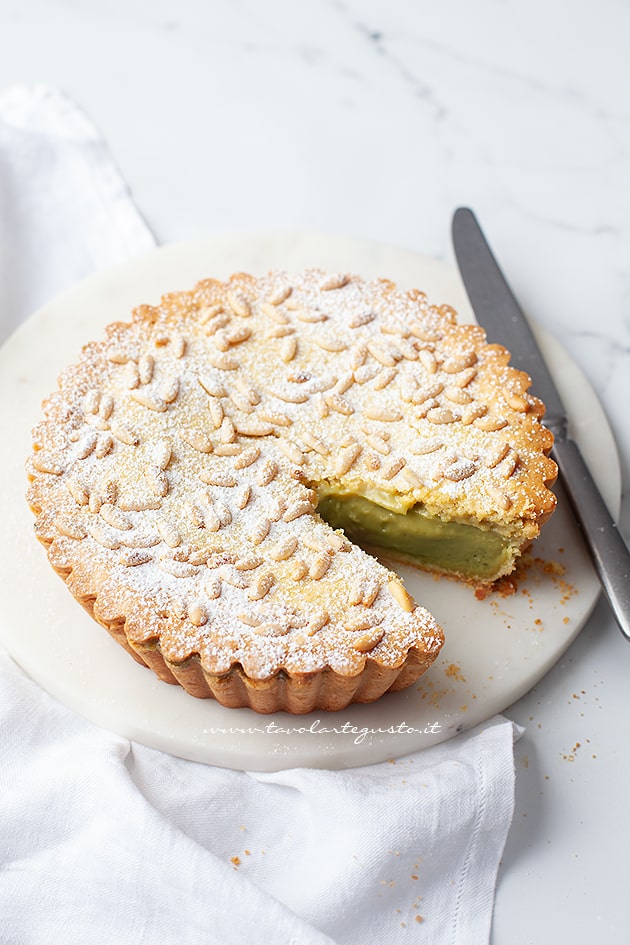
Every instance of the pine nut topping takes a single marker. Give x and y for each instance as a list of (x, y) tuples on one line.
[(114, 517), (157, 480), (106, 406), (178, 569), (136, 503), (216, 324), (496, 453), (422, 447), (145, 368), (283, 549), (215, 408), (291, 451), (227, 431), (221, 361), (91, 401), (169, 533), (240, 402), (248, 563), (161, 453), (247, 457), (517, 402), (135, 557), (311, 317), (291, 397), (70, 528), (366, 373), (197, 615), (280, 295), (267, 472), (218, 478), (386, 415), (248, 391), (103, 535), (243, 496), (149, 400), (393, 468), (330, 344), (459, 470), (318, 619), (45, 463), (453, 365), (384, 355), (490, 424), (288, 349), (211, 386), (383, 378), (261, 586), (169, 390), (412, 479), (400, 595), (209, 313), (457, 396), (312, 442), (367, 641), (228, 449), (197, 440), (298, 570), (86, 445), (78, 491), (508, 467), (259, 531), (274, 313), (212, 587), (339, 404), (358, 356), (296, 509), (275, 417), (346, 459), (361, 319), (320, 565), (440, 415), (427, 359), (336, 281), (239, 304), (118, 356), (281, 331), (378, 443)]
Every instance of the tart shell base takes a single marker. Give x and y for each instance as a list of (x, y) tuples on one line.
[(298, 694)]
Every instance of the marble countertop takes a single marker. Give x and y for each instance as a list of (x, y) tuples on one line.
[(377, 119)]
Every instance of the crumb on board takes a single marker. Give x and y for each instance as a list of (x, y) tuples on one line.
[(533, 570), (453, 671)]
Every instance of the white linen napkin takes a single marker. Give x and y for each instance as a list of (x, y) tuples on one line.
[(65, 210), (105, 841)]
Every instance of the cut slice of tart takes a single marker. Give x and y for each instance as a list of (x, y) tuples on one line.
[(200, 474)]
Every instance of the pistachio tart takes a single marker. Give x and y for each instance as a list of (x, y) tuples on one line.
[(207, 477)]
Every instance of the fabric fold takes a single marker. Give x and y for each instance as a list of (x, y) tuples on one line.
[(65, 210)]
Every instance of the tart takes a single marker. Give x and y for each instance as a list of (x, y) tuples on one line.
[(207, 476)]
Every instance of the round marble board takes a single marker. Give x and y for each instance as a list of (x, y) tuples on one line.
[(496, 648)]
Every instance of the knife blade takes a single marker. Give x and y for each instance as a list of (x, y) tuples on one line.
[(499, 313)]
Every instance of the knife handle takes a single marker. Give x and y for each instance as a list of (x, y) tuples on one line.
[(609, 551)]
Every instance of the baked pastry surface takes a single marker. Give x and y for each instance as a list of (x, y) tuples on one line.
[(176, 477)]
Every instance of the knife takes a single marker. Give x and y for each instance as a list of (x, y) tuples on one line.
[(497, 310)]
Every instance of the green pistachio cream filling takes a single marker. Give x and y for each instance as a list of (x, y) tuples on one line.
[(415, 536)]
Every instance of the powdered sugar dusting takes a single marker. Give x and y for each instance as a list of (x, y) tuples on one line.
[(223, 407)]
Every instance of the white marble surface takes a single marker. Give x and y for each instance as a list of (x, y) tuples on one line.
[(377, 119)]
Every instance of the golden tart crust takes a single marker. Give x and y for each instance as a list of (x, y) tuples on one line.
[(173, 478)]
